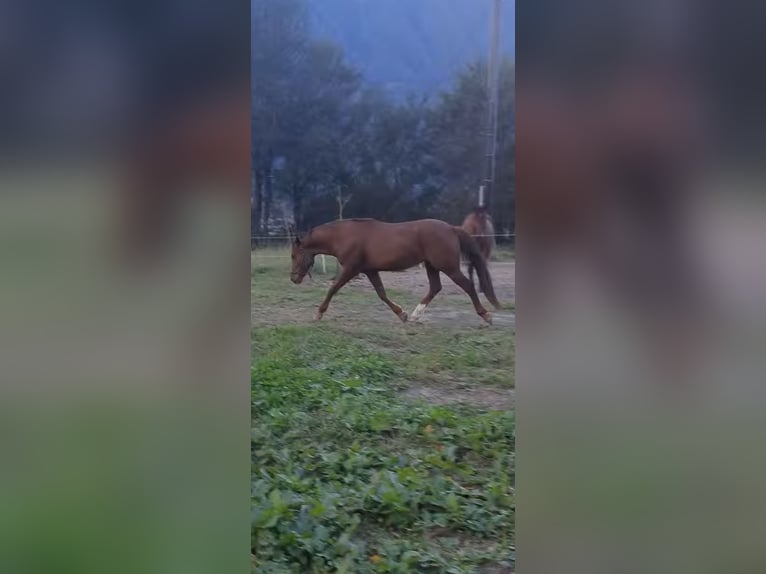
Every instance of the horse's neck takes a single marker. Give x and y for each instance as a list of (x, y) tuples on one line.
[(321, 241)]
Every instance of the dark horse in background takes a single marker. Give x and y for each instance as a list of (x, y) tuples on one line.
[(369, 246), (478, 224), (204, 140), (608, 153)]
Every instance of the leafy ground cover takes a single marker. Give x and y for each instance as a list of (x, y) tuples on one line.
[(351, 475)]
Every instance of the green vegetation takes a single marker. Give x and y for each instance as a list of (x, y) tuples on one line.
[(349, 475), (503, 253)]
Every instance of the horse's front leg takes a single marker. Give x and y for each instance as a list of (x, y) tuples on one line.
[(374, 278), (346, 274)]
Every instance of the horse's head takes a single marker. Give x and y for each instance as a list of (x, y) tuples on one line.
[(482, 215), (303, 261)]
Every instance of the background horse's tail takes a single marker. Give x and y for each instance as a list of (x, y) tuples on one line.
[(470, 249), (489, 231)]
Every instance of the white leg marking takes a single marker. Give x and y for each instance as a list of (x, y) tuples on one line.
[(418, 311)]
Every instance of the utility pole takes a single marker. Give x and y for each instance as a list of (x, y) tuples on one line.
[(493, 75)]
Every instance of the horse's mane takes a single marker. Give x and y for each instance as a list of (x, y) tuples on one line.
[(329, 223), (337, 221)]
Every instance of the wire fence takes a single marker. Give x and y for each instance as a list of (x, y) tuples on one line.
[(290, 237), (328, 264), (263, 246), (273, 241)]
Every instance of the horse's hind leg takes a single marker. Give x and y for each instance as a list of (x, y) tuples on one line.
[(484, 248), (434, 286), (374, 278), (467, 286), (470, 274)]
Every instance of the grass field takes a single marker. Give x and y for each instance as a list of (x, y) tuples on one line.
[(378, 446)]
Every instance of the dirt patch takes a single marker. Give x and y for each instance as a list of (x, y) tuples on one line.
[(452, 304), (415, 280), (442, 316), (450, 307), (462, 393)]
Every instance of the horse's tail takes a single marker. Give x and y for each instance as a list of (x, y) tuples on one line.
[(489, 231), (470, 249)]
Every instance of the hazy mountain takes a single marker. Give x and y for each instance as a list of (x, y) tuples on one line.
[(411, 46)]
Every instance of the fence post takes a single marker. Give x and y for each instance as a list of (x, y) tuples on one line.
[(324, 265)]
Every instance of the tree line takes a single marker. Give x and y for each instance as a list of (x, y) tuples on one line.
[(324, 143)]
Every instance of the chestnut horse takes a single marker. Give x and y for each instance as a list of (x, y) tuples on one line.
[(369, 246), (478, 224)]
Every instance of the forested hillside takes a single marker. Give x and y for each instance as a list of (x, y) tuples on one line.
[(412, 45), (326, 137)]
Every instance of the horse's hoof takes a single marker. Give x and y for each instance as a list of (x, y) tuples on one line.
[(318, 316), (487, 317), (404, 317), (417, 313)]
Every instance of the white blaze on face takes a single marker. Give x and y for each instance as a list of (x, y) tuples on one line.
[(418, 311)]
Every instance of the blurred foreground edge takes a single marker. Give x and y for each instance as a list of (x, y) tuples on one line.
[(124, 161), (640, 288)]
